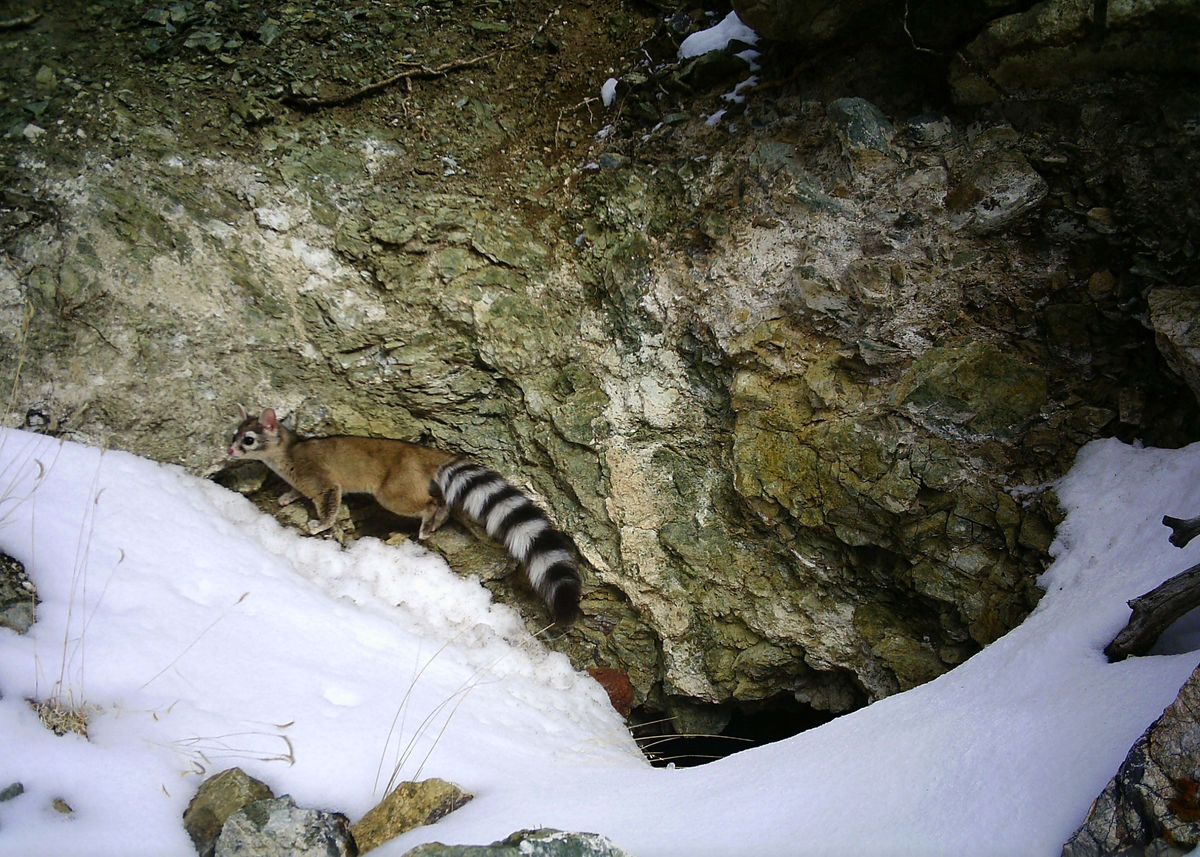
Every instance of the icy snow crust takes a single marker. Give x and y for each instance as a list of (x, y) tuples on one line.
[(207, 636)]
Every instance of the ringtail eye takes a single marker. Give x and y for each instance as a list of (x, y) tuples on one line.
[(249, 440)]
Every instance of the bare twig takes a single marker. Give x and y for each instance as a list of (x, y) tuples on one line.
[(408, 74)]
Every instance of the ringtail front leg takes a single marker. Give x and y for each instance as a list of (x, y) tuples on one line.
[(432, 517), (327, 505), (289, 497)]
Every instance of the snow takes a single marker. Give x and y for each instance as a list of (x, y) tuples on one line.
[(202, 635), (608, 92), (717, 37)]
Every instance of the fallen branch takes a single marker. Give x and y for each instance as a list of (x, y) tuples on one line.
[(415, 70), (1182, 530), (1154, 612)]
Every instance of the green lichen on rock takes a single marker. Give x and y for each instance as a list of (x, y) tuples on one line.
[(981, 387)]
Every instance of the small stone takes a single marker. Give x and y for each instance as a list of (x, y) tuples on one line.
[(61, 806), (45, 80), (613, 161), (11, 792)]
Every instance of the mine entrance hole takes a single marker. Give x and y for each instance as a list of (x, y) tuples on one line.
[(748, 725)]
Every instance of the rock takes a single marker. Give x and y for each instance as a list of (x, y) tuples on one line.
[(62, 807), (944, 24), (219, 797), (528, 843), (618, 687), (12, 791), (1056, 45), (978, 386), (276, 827), (806, 22), (1152, 805), (994, 189), (18, 598), (865, 133), (407, 806), (927, 130), (711, 69), (1175, 317)]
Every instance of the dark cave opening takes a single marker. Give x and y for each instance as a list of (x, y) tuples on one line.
[(749, 725)]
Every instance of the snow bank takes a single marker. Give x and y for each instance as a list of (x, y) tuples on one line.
[(205, 635)]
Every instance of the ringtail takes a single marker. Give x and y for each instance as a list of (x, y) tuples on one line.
[(415, 481)]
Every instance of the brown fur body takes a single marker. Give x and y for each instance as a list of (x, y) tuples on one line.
[(323, 469)]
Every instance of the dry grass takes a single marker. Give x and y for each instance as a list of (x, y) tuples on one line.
[(61, 718)]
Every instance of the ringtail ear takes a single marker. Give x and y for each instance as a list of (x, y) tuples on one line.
[(243, 415), (270, 422)]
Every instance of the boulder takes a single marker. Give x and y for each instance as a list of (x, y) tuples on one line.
[(407, 806), (1152, 805), (1175, 318), (219, 797), (806, 22), (1058, 45)]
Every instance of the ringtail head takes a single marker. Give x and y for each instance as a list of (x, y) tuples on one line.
[(256, 437)]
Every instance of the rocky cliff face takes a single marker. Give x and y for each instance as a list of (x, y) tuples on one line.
[(796, 378)]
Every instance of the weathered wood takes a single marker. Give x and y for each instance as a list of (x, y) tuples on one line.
[(1183, 530), (1154, 612)]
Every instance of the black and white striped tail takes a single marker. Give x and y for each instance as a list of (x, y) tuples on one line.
[(512, 519)]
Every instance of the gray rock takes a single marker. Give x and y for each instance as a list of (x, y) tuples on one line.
[(1175, 317), (997, 189), (865, 133), (528, 843), (18, 598), (1152, 805), (276, 827)]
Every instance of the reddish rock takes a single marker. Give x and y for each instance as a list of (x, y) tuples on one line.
[(616, 683)]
